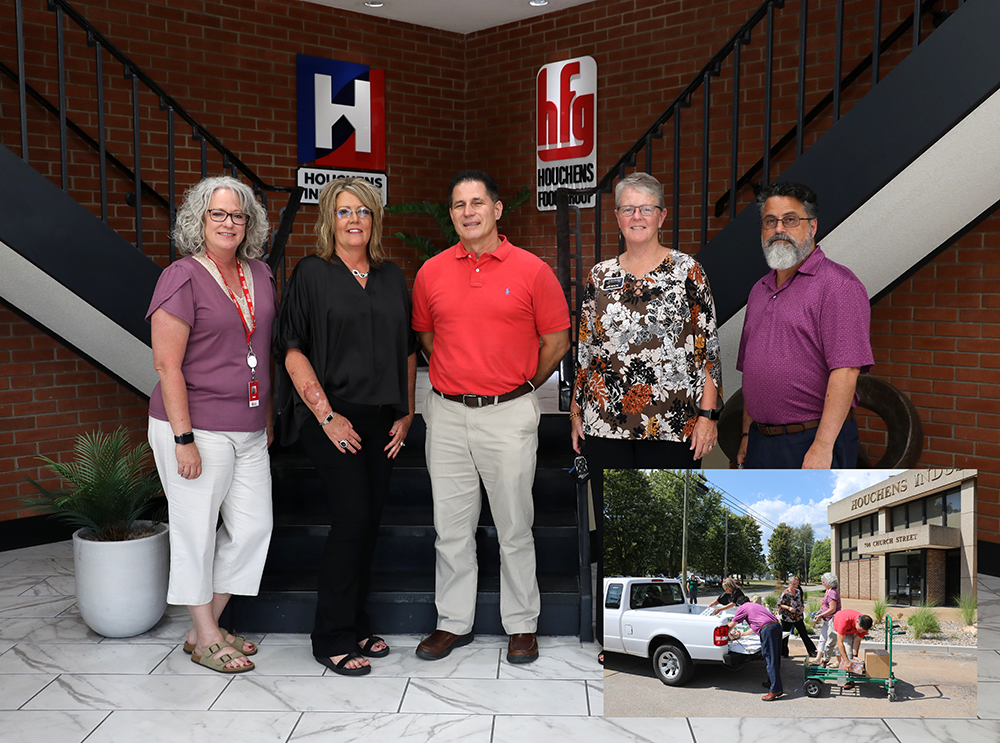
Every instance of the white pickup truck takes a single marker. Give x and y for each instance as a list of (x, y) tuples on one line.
[(650, 617)]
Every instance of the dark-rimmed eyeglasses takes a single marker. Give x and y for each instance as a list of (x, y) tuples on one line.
[(220, 215), (790, 222), (363, 212), (646, 210)]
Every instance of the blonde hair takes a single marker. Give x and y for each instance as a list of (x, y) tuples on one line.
[(370, 196)]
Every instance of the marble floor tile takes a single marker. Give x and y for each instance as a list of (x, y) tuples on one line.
[(63, 549), (826, 729), (306, 694), (351, 728), (945, 731), (48, 726), (487, 697), (125, 726), (40, 630), (53, 585), (595, 697), (556, 662), (281, 638), (171, 628), (35, 606), (38, 566), (988, 662), (520, 728), (17, 690), (111, 692), (988, 700), (90, 657), (481, 663), (270, 660), (988, 637), (15, 585)]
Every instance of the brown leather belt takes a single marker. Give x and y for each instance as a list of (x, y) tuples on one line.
[(794, 427), (481, 401)]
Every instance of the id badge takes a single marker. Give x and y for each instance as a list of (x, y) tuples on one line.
[(613, 282), (254, 395)]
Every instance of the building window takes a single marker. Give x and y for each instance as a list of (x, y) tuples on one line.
[(851, 532), (941, 509)]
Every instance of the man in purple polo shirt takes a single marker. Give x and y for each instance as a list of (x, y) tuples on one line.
[(805, 341), (766, 626)]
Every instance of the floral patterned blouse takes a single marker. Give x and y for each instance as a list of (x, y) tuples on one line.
[(644, 347)]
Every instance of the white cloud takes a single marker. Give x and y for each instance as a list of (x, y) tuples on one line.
[(849, 482)]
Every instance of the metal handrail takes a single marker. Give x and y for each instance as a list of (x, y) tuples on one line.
[(731, 48)]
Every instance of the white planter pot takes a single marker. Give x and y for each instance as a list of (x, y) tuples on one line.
[(121, 587)]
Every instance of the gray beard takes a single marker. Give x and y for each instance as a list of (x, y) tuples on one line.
[(783, 251)]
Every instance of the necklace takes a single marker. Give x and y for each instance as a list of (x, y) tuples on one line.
[(360, 275)]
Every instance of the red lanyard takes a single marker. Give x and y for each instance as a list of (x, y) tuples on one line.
[(246, 294)]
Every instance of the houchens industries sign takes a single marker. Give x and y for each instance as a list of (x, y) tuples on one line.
[(566, 113), (341, 123)]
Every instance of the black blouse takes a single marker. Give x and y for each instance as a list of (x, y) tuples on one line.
[(356, 338), (737, 597)]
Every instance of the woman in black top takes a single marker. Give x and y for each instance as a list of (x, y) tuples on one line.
[(343, 332), (732, 598)]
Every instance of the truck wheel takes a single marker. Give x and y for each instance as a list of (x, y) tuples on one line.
[(672, 665), (812, 688)]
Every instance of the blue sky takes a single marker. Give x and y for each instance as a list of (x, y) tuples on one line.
[(794, 496)]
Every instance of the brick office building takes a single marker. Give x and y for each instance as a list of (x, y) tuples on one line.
[(910, 539)]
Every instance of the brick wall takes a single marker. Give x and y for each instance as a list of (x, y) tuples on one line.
[(860, 579), (936, 578)]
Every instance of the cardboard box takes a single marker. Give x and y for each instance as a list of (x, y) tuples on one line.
[(877, 664)]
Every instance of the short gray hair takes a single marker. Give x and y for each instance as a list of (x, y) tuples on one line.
[(189, 226), (831, 581), (643, 183)]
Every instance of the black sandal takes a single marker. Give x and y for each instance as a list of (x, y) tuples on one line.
[(373, 653), (341, 667)]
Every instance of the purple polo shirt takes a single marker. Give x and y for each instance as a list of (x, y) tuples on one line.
[(795, 335), (755, 615)]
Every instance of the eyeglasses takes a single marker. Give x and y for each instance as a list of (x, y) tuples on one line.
[(363, 212), (646, 210), (220, 215), (790, 222)]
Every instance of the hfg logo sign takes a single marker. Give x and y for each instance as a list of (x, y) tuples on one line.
[(566, 151), (341, 112)]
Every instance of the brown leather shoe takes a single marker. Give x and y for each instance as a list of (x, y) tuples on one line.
[(522, 648), (772, 695), (767, 684), (440, 643)]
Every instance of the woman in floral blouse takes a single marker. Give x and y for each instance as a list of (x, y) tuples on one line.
[(649, 376)]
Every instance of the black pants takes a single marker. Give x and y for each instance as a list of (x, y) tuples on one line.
[(800, 627), (789, 450), (355, 487)]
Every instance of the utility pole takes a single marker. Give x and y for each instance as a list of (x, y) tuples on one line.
[(684, 532), (725, 554)]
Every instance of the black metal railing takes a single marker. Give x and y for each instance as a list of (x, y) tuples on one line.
[(572, 256), (139, 83)]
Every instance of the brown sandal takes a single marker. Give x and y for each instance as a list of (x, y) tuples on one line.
[(219, 664)]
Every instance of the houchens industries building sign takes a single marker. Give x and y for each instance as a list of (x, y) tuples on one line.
[(341, 123), (566, 113)]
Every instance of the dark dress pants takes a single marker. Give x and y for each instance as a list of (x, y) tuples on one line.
[(355, 486), (800, 627), (789, 450), (770, 648)]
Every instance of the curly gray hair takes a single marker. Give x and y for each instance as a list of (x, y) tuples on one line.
[(189, 227), (830, 581)]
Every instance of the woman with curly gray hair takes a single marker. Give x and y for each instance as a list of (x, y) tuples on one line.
[(830, 606), (210, 416)]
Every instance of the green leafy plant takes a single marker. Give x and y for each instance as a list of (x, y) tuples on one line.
[(967, 607), (425, 247), (879, 609), (110, 487), (771, 601), (924, 622)]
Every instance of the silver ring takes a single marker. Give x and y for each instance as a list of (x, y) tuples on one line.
[(343, 443), (402, 444)]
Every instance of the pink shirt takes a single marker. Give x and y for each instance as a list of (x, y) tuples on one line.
[(486, 316), (756, 616), (215, 361), (795, 335)]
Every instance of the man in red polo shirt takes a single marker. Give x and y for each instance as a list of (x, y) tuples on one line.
[(848, 622), (493, 321)]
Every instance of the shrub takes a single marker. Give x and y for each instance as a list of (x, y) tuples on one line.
[(967, 607), (771, 601), (879, 609), (924, 622)]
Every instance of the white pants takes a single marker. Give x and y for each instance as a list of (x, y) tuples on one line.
[(498, 443), (235, 481), (827, 644)]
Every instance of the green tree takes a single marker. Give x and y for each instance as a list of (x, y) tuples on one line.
[(820, 562), (782, 555), (746, 551), (634, 524), (803, 538), (704, 512)]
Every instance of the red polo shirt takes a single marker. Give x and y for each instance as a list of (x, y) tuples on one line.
[(486, 316)]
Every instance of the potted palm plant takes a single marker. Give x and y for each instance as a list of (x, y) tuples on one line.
[(121, 561)]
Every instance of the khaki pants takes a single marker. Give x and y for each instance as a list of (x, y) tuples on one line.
[(497, 443)]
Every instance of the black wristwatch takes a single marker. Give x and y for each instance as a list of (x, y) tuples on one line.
[(712, 415), (185, 438)]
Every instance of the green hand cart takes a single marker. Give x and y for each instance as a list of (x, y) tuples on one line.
[(816, 675)]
